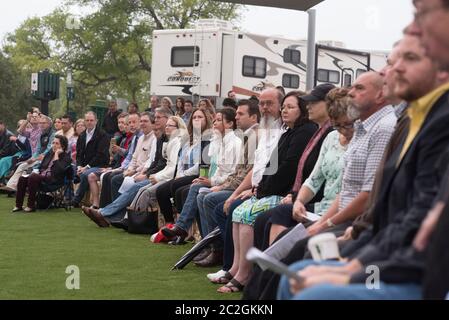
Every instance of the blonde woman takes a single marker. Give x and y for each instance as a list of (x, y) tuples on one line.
[(80, 127), (146, 196), (167, 103)]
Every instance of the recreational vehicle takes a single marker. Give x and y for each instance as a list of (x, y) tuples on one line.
[(213, 58)]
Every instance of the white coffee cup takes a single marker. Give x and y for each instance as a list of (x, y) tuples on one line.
[(324, 247)]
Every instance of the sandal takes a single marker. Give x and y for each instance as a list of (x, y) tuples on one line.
[(223, 279), (232, 286)]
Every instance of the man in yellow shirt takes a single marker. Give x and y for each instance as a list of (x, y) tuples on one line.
[(406, 195)]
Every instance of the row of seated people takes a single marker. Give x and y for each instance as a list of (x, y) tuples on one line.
[(406, 186), (288, 162), (389, 229), (24, 151), (248, 177)]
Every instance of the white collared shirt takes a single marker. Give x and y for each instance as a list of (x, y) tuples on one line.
[(89, 135), (227, 151), (268, 142)]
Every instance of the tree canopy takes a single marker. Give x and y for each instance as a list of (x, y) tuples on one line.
[(108, 48)]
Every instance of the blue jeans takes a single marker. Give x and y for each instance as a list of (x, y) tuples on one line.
[(225, 225), (84, 184), (206, 207), (190, 209), (124, 199), (116, 183), (358, 291)]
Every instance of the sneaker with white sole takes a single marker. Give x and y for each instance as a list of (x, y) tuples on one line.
[(216, 275)]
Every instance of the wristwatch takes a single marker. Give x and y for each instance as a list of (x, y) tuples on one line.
[(329, 223)]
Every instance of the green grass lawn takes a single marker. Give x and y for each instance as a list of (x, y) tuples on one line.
[(36, 249)]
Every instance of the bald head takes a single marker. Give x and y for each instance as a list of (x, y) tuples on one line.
[(373, 78), (367, 94)]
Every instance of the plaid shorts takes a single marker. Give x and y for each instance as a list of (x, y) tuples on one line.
[(247, 212)]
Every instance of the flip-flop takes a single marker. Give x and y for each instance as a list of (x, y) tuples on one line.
[(232, 286), (223, 280)]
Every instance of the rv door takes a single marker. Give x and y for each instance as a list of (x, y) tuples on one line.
[(347, 78), (227, 65)]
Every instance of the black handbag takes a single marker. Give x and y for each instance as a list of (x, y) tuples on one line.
[(142, 222)]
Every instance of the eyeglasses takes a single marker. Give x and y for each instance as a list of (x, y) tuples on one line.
[(420, 14), (343, 126), (267, 103), (171, 126)]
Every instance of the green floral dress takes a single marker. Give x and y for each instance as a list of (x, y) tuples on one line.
[(328, 170)]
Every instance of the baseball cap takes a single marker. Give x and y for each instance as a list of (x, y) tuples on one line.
[(318, 93)]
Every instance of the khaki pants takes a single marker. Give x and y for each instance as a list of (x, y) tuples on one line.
[(14, 180), (146, 198)]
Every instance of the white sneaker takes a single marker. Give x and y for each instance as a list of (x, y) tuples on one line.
[(216, 275)]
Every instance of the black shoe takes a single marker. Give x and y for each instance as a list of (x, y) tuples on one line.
[(122, 224), (75, 204), (177, 241), (174, 232), (214, 259), (202, 255)]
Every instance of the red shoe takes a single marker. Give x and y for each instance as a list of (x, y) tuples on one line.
[(174, 231), (159, 237)]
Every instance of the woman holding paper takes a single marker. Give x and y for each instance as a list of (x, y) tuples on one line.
[(278, 178)]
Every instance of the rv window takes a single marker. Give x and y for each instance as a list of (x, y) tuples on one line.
[(184, 56), (292, 56), (290, 81), (347, 80), (331, 76), (360, 72), (254, 67)]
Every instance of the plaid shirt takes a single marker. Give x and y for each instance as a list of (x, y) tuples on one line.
[(365, 152)]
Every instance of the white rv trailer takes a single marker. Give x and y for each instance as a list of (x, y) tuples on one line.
[(212, 59)]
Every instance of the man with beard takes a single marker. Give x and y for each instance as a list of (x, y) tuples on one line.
[(373, 129), (405, 196), (269, 133), (430, 25)]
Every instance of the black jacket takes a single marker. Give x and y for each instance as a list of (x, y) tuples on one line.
[(436, 277), (405, 196), (7, 147), (96, 152), (58, 170), (159, 161), (110, 124), (290, 147)]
